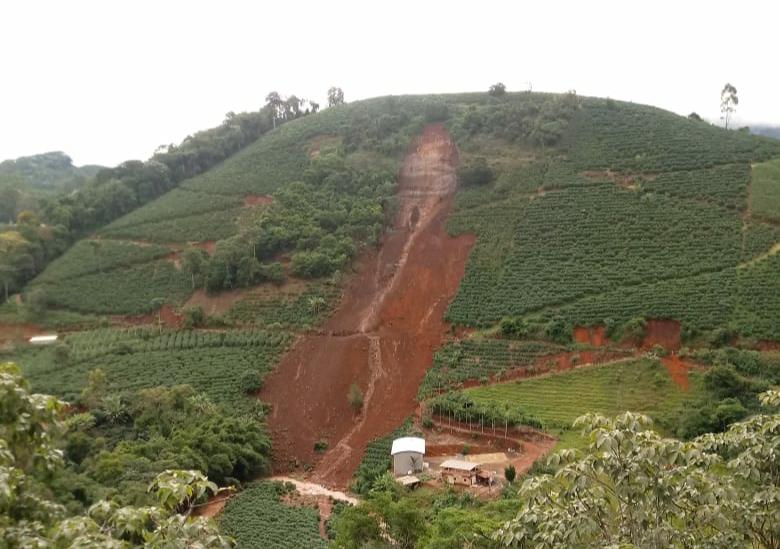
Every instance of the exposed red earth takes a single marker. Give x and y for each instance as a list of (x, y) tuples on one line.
[(257, 200), (383, 334)]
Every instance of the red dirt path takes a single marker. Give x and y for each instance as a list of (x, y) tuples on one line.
[(388, 324)]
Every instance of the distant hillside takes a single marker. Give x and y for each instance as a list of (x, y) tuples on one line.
[(27, 179), (767, 131), (620, 211), (51, 170)]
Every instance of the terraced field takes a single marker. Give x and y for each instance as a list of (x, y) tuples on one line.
[(646, 215), (215, 363), (558, 399), (257, 518)]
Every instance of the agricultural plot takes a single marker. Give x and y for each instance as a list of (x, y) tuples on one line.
[(177, 203), (641, 216), (97, 256), (765, 195), (213, 363), (556, 400), (724, 185), (622, 136), (211, 225), (120, 291), (480, 359), (257, 518), (290, 310), (584, 241)]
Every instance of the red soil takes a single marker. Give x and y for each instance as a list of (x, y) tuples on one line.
[(678, 370), (252, 200), (18, 332), (168, 317), (208, 246), (389, 323), (449, 437), (593, 335), (665, 333), (212, 507)]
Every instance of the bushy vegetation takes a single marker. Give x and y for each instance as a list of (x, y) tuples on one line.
[(57, 221), (294, 309), (257, 518), (45, 495)]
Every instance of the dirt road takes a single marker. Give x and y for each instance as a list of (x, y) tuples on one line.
[(383, 334)]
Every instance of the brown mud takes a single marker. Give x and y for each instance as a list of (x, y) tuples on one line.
[(252, 200), (390, 321)]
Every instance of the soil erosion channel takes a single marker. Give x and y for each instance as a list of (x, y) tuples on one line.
[(383, 334)]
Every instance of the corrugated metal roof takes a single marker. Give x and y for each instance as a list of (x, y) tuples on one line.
[(408, 444), (459, 464)]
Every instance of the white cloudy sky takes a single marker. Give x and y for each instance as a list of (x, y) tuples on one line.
[(106, 81)]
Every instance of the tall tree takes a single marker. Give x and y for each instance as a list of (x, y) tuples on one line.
[(274, 100), (497, 90), (728, 103), (335, 96)]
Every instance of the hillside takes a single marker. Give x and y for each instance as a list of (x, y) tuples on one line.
[(456, 265), (25, 180)]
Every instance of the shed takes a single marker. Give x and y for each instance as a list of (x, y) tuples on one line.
[(43, 339), (458, 471), (408, 481), (407, 455)]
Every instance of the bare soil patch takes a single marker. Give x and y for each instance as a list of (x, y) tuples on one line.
[(678, 370), (18, 332), (665, 333), (252, 200), (167, 316), (392, 320), (626, 180), (590, 335)]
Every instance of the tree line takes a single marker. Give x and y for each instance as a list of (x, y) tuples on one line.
[(37, 237)]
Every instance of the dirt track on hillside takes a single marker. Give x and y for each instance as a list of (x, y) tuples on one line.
[(383, 334)]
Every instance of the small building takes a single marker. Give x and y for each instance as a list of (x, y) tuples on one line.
[(43, 339), (407, 453), (458, 471)]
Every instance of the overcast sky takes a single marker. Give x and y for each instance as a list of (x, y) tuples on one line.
[(107, 81)]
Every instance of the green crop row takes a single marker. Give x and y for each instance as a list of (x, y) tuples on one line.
[(177, 203), (580, 241), (556, 400), (636, 138), (765, 195), (476, 359), (257, 518), (292, 310), (95, 256), (211, 225), (121, 291), (218, 370)]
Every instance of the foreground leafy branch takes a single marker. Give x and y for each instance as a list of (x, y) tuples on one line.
[(29, 428), (634, 488)]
